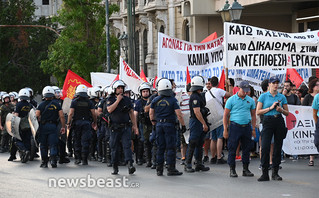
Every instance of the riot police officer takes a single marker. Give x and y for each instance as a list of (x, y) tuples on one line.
[(48, 113), (144, 121), (197, 124), (163, 111), (120, 109), (22, 109), (5, 108), (82, 112)]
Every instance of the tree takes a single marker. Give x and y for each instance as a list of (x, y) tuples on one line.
[(81, 46), (22, 49)]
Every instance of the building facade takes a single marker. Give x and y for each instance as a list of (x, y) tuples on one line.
[(194, 20)]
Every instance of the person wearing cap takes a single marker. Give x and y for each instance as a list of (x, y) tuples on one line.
[(242, 111), (272, 104), (48, 112), (82, 113)]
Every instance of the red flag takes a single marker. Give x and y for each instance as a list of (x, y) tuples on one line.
[(116, 78), (221, 84), (72, 80), (154, 82), (142, 75), (294, 77), (188, 77), (211, 37)]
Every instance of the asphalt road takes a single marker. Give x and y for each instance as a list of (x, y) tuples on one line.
[(29, 180)]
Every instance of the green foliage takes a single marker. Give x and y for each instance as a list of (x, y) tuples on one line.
[(82, 44), (22, 49)]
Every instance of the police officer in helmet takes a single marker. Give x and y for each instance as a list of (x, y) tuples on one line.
[(5, 108), (163, 111), (144, 121), (197, 124), (48, 113), (121, 112), (22, 109), (82, 112)]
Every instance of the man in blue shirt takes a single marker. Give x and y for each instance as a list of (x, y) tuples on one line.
[(242, 111), (315, 107)]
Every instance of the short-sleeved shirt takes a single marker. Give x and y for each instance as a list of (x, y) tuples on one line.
[(218, 93), (315, 103), (121, 113), (139, 105), (307, 101), (101, 103), (293, 100), (165, 107), (240, 109), (22, 108), (196, 100), (184, 104), (267, 100), (52, 110)]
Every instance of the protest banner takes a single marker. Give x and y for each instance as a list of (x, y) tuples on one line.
[(251, 47), (301, 130), (128, 75), (102, 79), (174, 55)]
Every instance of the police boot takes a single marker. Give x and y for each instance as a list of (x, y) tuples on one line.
[(77, 158), (115, 169), (44, 163), (84, 159), (64, 160), (274, 175), (172, 171), (264, 176), (233, 171), (159, 170), (188, 168), (53, 161), (246, 171), (25, 156), (12, 157), (200, 167), (131, 168)]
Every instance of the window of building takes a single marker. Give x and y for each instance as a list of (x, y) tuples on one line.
[(186, 30), (162, 29), (145, 51), (45, 2)]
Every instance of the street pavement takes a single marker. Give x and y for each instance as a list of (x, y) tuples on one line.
[(29, 180)]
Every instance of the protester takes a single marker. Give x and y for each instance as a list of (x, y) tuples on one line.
[(308, 101)]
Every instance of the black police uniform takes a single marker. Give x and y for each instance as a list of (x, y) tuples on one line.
[(120, 128), (82, 128), (48, 136), (197, 135)]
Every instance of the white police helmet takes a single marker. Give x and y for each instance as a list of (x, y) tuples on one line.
[(30, 90), (24, 94), (48, 92), (116, 84), (165, 87), (81, 90), (197, 83), (5, 96), (94, 92)]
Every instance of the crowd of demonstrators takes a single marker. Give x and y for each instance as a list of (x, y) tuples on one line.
[(107, 125)]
